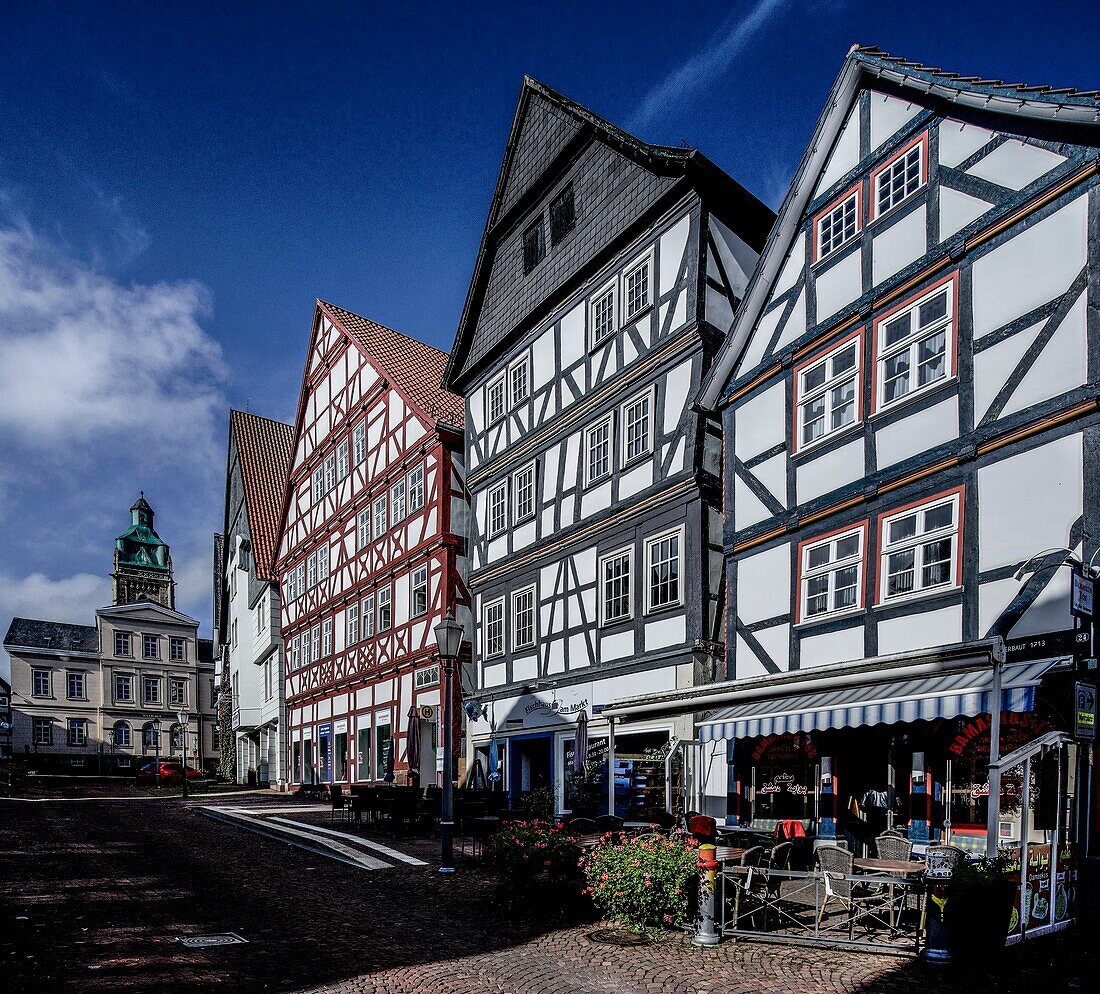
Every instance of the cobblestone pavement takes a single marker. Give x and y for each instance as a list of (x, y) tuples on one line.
[(107, 886)]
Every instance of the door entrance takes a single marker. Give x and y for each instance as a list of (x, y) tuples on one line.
[(531, 766)]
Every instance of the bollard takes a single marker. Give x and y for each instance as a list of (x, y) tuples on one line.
[(706, 934), (940, 867)]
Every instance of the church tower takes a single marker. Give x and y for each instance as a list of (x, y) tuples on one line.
[(143, 567)]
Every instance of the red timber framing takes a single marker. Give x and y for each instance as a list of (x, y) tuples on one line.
[(371, 551)]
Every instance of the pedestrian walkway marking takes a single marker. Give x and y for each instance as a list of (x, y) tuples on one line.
[(276, 809), (369, 843)]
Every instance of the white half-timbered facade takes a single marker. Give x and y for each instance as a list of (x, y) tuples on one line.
[(609, 272), (371, 551), (909, 406)]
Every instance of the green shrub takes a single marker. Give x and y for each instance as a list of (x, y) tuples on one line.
[(643, 882)]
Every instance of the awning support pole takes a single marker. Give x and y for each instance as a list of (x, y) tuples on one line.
[(993, 813), (611, 766)]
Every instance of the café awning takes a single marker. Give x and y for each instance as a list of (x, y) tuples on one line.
[(924, 698)]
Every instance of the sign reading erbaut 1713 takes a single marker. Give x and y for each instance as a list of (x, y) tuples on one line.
[(1084, 712)]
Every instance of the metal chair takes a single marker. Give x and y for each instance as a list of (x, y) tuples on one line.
[(582, 826), (754, 882), (608, 823), (890, 846), (338, 802)]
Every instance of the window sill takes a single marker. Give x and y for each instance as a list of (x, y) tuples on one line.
[(819, 263), (664, 609), (939, 386), (608, 339), (613, 623), (592, 484), (920, 595), (641, 457), (819, 443), (823, 619), (878, 218), (640, 312)]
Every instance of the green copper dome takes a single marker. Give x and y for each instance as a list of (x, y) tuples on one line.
[(140, 545)]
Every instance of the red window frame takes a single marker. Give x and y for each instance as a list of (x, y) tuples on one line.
[(872, 190), (960, 492), (819, 354), (865, 526), (828, 209)]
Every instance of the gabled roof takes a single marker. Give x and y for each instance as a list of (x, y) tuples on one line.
[(414, 367), (567, 127), (136, 607), (264, 450), (29, 633), (1067, 106)]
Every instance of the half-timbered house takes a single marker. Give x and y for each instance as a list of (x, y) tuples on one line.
[(608, 273), (371, 552), (909, 406)]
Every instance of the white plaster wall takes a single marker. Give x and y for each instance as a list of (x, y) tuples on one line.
[(920, 631), (917, 432), (764, 584), (838, 286), (824, 473)]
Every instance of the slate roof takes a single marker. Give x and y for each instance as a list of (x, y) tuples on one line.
[(264, 450), (29, 633), (413, 366)]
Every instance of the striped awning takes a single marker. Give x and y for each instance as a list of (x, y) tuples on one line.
[(917, 699)]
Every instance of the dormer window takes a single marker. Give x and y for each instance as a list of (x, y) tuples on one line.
[(563, 217), (534, 246)]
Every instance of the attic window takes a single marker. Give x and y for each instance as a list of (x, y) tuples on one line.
[(534, 246), (563, 218)]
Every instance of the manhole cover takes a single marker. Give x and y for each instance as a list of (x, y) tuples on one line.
[(617, 937), (206, 941)]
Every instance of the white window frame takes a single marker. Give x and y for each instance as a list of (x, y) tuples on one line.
[(362, 528), (311, 571), (397, 502), (496, 497), (492, 650), (315, 643), (645, 260), (831, 382), (627, 552), (367, 616), (518, 485), (81, 680), (385, 608), (330, 472), (900, 163), (342, 467), (595, 340), (36, 672), (426, 676), (919, 542), (520, 365), (414, 489), (833, 216), (492, 416), (523, 592), (650, 542), (418, 580), (911, 344), (649, 396), (175, 643), (326, 638), (380, 525), (322, 563), (608, 422), (359, 442), (319, 484), (830, 569)]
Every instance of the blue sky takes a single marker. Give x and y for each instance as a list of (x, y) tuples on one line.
[(178, 182)]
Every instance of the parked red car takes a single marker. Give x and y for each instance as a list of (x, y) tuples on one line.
[(170, 772)]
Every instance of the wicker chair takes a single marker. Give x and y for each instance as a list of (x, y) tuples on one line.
[(893, 847), (836, 866)]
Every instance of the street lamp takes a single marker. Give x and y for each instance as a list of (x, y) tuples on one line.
[(156, 750), (448, 634), (183, 716)]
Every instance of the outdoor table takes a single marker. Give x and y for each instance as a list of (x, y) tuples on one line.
[(890, 867), (481, 826), (641, 826)]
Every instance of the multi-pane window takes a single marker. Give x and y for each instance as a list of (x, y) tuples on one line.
[(597, 451), (150, 647), (353, 624), (498, 509), (494, 628), (523, 493), (523, 619), (601, 311), (915, 346), (414, 483), (123, 644), (43, 731), (900, 179), (920, 548), (124, 689), (637, 426), (367, 615), (418, 591), (397, 502), (315, 643), (78, 732), (258, 613), (359, 442), (123, 734), (311, 571), (519, 375), (534, 246), (636, 287), (494, 400), (294, 655), (76, 689), (330, 471), (563, 215), (342, 468), (663, 569), (326, 638), (40, 683), (839, 225), (177, 691), (427, 677), (362, 528), (177, 649), (318, 485), (380, 516), (828, 393), (322, 563), (150, 737), (832, 574), (150, 690), (385, 609), (616, 578)]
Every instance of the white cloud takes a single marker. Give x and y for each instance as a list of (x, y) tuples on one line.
[(707, 64)]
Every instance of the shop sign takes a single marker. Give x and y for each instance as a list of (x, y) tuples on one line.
[(1080, 604), (1084, 712), (1017, 729), (563, 705), (782, 782), (784, 748), (1046, 645)]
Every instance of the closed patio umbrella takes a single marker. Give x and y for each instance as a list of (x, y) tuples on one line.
[(412, 741), (494, 762), (388, 778), (580, 743)]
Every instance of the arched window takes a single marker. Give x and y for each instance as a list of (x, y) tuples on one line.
[(122, 734), (148, 736)]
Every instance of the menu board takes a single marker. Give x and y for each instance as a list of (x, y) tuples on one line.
[(1039, 891)]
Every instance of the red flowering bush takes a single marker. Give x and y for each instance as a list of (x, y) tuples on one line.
[(642, 882), (525, 849)]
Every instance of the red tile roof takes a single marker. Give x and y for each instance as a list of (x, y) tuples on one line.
[(414, 367), (264, 449)]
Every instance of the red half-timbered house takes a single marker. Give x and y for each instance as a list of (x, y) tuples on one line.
[(371, 552)]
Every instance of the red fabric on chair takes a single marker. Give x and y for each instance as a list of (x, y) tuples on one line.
[(789, 828), (702, 827)]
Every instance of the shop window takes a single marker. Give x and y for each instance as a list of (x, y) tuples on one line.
[(340, 759), (383, 742), (362, 751), (919, 548), (784, 778)]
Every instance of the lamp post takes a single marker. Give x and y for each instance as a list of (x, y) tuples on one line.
[(156, 750), (183, 716), (448, 634)]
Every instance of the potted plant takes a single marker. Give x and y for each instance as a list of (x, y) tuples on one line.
[(980, 906)]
